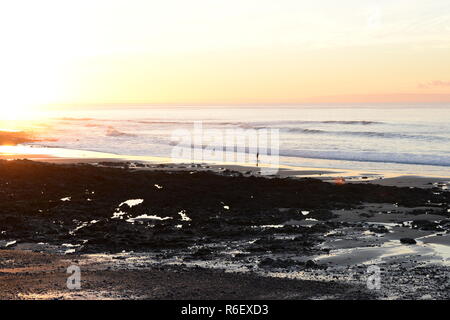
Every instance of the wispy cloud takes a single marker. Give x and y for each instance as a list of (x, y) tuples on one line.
[(434, 84)]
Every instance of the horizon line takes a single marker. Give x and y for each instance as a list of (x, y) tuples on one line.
[(395, 98)]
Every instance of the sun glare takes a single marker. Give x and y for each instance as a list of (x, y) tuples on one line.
[(98, 52), (13, 112), (33, 53), (27, 84)]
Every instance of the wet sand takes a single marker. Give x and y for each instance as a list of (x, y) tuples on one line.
[(29, 275), (135, 227)]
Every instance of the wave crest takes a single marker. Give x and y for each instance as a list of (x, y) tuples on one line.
[(112, 132)]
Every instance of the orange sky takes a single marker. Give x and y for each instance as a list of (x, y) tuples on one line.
[(202, 51)]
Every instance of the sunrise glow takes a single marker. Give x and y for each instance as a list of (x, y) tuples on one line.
[(184, 52), (182, 151)]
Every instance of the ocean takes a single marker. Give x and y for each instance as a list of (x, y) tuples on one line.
[(404, 139)]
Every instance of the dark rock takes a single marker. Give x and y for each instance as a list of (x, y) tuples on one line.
[(379, 229), (277, 263), (426, 225), (202, 252), (408, 241), (310, 264), (31, 209)]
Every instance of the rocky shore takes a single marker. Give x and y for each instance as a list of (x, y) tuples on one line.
[(304, 237)]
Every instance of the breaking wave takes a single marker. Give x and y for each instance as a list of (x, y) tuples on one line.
[(388, 135), (112, 132)]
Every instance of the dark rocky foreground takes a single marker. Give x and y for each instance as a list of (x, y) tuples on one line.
[(218, 220), (218, 207)]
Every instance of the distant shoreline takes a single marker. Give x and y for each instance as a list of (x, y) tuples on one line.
[(67, 156)]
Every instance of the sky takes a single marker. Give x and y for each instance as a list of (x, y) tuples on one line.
[(223, 51)]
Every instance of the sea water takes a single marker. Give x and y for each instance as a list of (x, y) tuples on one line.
[(411, 139)]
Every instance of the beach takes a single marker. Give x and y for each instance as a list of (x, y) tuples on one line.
[(174, 229), (229, 151)]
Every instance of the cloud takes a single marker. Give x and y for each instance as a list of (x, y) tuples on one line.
[(434, 84)]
